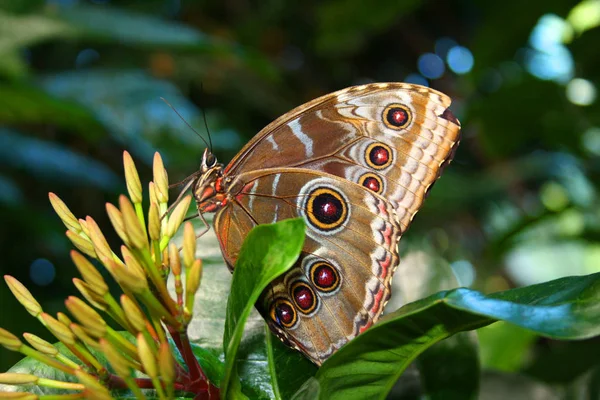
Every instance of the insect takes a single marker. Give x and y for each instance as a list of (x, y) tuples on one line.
[(356, 164)]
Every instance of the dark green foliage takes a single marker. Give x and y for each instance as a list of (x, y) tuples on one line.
[(370, 365), (519, 204)]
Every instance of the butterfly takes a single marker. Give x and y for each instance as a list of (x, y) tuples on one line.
[(356, 164)]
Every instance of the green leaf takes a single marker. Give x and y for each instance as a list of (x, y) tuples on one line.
[(118, 26), (128, 104), (24, 104), (496, 355), (29, 365), (288, 368), (212, 366), (562, 362), (448, 369), (22, 6), (252, 364), (267, 252), (99, 23), (18, 31), (309, 391), (131, 28), (367, 367), (13, 65)]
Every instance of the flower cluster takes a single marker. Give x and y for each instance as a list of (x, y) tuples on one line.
[(139, 355)]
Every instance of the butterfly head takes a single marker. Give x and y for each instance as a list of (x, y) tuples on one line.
[(208, 188)]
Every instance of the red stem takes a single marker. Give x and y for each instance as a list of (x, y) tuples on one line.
[(183, 344), (212, 393), (176, 338), (181, 373), (199, 388), (196, 372), (144, 383)]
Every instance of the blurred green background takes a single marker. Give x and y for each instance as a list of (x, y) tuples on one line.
[(80, 81)]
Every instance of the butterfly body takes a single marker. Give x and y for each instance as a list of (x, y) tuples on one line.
[(356, 165)]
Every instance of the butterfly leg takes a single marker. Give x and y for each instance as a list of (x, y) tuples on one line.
[(206, 226), (179, 197), (205, 229)]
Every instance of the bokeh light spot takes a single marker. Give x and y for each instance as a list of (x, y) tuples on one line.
[(550, 59), (42, 272), (416, 79), (554, 196), (548, 32), (581, 92), (460, 59), (557, 65), (571, 223), (584, 16), (431, 66), (591, 140)]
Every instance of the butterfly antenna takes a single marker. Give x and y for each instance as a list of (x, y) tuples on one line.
[(188, 125), (206, 123), (207, 131)]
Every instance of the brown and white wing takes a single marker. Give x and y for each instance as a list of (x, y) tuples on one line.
[(394, 138), (357, 165), (341, 282)]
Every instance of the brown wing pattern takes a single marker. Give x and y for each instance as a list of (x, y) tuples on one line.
[(332, 134), (356, 246), (357, 165)]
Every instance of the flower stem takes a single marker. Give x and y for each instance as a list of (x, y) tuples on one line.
[(28, 351)]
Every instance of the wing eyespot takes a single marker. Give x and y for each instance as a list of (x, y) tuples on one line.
[(372, 182), (304, 297), (324, 276), (326, 209), (283, 313), (379, 156), (397, 116)]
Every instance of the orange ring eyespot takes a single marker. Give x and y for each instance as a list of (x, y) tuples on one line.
[(326, 209), (379, 156), (397, 116), (324, 276), (372, 182), (304, 297), (283, 313)]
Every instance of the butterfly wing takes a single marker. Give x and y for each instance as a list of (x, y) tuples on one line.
[(392, 137), (339, 285), (356, 164)]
